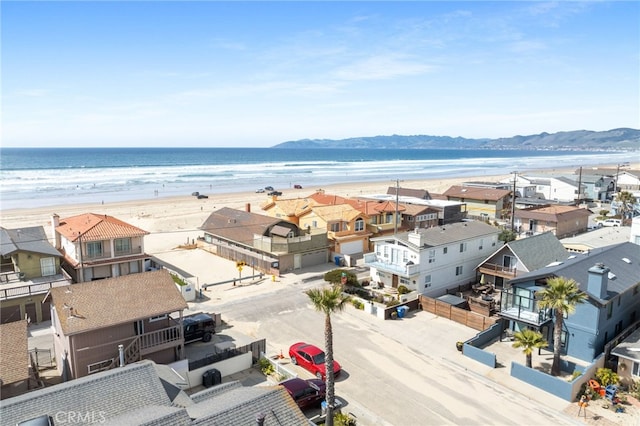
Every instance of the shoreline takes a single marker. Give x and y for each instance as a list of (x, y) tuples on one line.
[(187, 213)]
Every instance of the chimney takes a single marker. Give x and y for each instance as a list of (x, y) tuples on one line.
[(247, 207), (597, 281), (55, 222)]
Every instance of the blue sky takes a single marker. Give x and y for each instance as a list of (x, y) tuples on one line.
[(254, 74)]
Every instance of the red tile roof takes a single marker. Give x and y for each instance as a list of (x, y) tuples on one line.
[(96, 227)]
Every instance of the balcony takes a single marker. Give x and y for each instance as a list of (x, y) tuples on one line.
[(522, 308), (498, 270), (158, 340), (406, 270)]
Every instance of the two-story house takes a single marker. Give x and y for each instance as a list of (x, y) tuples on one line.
[(609, 277), (265, 243), (142, 312), (346, 227), (482, 203), (562, 189), (432, 260), (445, 211), (30, 267), (521, 256), (98, 246), (562, 221)]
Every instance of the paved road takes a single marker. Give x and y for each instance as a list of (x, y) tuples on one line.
[(403, 372)]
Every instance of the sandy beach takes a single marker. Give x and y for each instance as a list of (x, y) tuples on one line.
[(175, 220)]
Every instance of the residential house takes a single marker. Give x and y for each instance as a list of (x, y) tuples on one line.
[(628, 366), (421, 194), (30, 267), (596, 187), (446, 211), (482, 203), (432, 260), (98, 246), (628, 180), (563, 221), (599, 237), (419, 216), (609, 277), (550, 188), (141, 394), (267, 244), (15, 365), (289, 209), (519, 257), (346, 228), (142, 312), (634, 236)]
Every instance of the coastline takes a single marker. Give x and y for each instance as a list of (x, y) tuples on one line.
[(183, 215)]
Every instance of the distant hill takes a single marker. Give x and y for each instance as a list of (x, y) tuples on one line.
[(578, 140)]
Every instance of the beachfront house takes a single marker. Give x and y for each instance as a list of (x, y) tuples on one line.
[(432, 260), (96, 246), (145, 393), (30, 267), (519, 257), (562, 189), (596, 187), (482, 203), (346, 229), (264, 243), (562, 221), (16, 374), (142, 312), (446, 211), (608, 275), (289, 209)]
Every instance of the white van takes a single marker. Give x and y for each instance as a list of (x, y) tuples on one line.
[(612, 222)]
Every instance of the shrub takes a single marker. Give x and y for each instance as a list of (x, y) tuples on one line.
[(265, 366), (403, 289), (576, 374), (341, 419), (606, 377), (178, 280), (335, 277), (357, 304)]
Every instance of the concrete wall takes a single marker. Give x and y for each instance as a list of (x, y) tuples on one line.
[(227, 367)]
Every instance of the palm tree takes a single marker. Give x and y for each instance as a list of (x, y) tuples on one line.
[(529, 340), (328, 300), (562, 295), (626, 201)]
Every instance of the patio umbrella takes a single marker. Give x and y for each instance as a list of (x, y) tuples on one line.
[(482, 281)]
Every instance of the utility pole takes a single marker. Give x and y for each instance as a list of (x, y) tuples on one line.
[(513, 202), (395, 219), (579, 187)]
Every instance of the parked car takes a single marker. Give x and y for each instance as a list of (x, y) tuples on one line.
[(260, 190), (612, 222), (306, 393), (268, 188), (277, 193), (199, 327), (201, 196), (296, 186), (195, 194), (311, 358)]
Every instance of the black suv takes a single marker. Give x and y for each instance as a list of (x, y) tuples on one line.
[(199, 327)]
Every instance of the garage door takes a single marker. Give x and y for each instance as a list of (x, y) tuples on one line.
[(354, 247), (314, 258)]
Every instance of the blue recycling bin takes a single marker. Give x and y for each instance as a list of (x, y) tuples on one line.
[(337, 259), (402, 310)]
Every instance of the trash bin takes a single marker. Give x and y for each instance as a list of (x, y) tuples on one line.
[(337, 260), (211, 378), (402, 310)]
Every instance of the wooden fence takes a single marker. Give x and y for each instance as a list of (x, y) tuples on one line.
[(462, 316)]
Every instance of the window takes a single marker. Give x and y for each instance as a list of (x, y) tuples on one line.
[(158, 318), (359, 225), (99, 366), (386, 251), (635, 369), (427, 281), (389, 218), (463, 247), (122, 246), (47, 266), (563, 340), (609, 310), (335, 227), (405, 256), (432, 256), (444, 250), (314, 223), (458, 270), (94, 249)]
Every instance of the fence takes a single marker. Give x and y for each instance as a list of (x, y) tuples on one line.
[(462, 316), (255, 348), (42, 358)]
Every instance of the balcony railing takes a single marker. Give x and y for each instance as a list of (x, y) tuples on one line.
[(372, 260), (523, 308), (499, 270), (20, 289), (159, 339)]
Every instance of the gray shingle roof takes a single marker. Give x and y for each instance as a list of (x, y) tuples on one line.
[(108, 394), (238, 225), (626, 272), (31, 239), (539, 250), (446, 234)]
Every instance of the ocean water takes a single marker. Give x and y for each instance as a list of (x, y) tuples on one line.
[(40, 177)]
